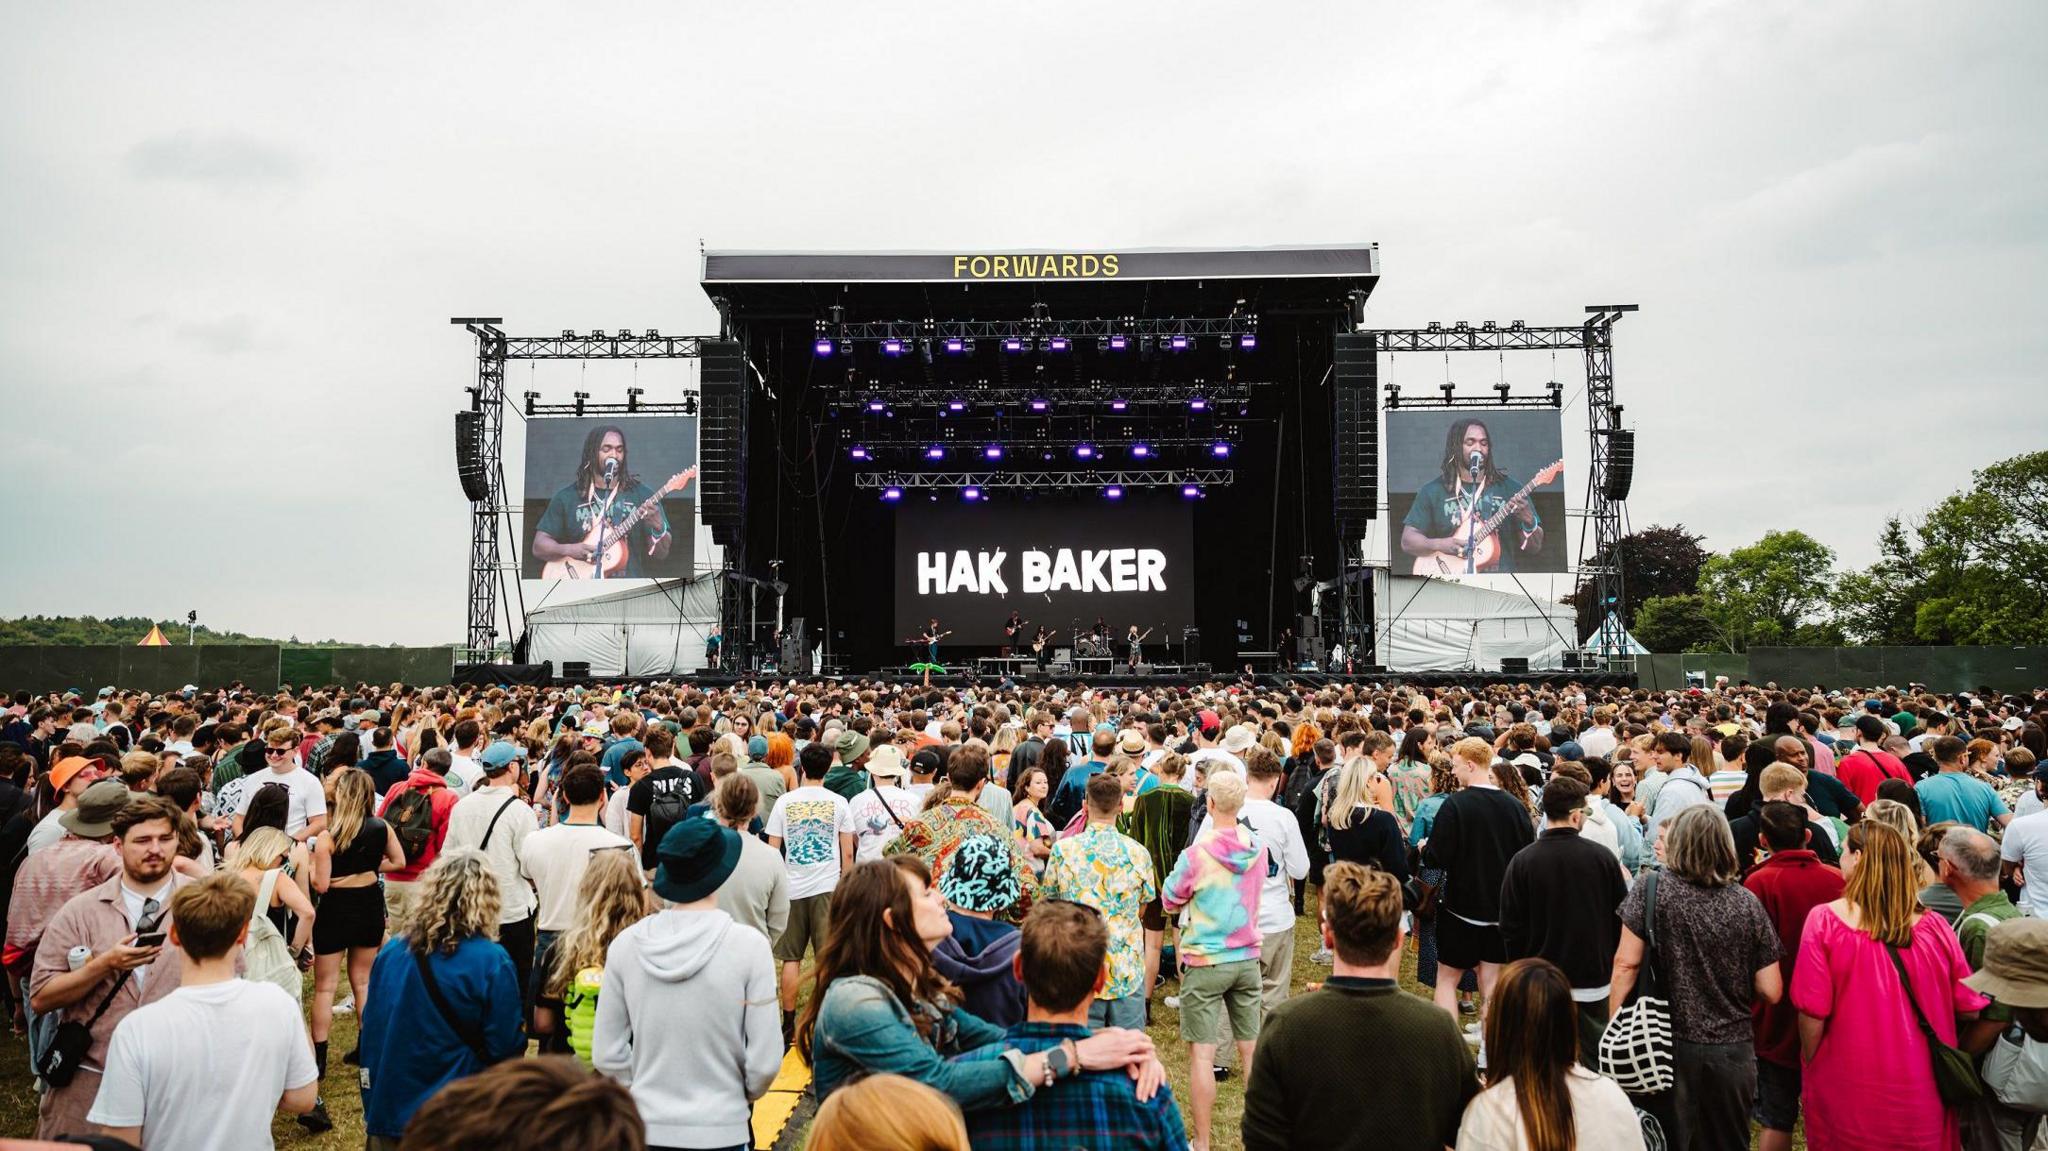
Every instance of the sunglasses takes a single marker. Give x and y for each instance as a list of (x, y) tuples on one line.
[(277, 751)]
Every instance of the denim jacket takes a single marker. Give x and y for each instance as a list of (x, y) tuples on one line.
[(863, 1027)]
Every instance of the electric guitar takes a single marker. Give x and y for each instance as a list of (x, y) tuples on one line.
[(928, 639), (1140, 637), (1480, 536), (1011, 633), (614, 558), (1038, 645)]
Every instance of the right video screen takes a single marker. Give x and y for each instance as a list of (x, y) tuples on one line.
[(1475, 491)]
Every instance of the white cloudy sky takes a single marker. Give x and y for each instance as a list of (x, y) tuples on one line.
[(231, 234)]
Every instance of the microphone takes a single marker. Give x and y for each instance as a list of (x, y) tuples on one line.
[(1474, 461), (611, 469)]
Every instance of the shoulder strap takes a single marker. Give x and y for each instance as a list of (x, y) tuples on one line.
[(468, 1032), (266, 891), (884, 801), (509, 801), (1906, 985), (1650, 933)]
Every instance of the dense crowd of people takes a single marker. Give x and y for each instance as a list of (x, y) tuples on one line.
[(602, 916)]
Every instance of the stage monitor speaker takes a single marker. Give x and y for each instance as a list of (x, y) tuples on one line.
[(494, 674), (1308, 626), (722, 439), (1621, 465), (791, 657), (469, 456), (1309, 649), (1191, 645), (1514, 665), (1355, 429), (576, 669), (1571, 660)]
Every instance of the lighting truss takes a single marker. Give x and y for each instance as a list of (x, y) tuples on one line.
[(687, 407), (1076, 330), (621, 345), (1045, 481), (1067, 398)]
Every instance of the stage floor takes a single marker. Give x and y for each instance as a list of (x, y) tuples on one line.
[(1179, 678)]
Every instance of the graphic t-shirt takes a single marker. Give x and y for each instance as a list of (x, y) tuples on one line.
[(662, 798), (809, 821), (570, 516), (1438, 509), (877, 825)]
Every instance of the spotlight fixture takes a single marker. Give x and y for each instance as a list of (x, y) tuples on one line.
[(858, 452), (1119, 343), (1013, 344), (1113, 492), (1141, 451), (846, 347), (955, 346), (1219, 450), (1192, 492), (1177, 343), (1198, 404), (876, 405), (971, 495), (935, 452), (822, 347), (956, 405), (891, 495), (1057, 344), (1248, 341), (892, 347), (993, 452), (1085, 452), (1038, 405), (1118, 405)]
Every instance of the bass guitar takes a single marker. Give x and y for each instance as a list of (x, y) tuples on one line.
[(615, 535), (1484, 543)]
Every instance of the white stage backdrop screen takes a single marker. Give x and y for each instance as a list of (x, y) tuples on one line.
[(1058, 564), (1475, 492), (609, 498)]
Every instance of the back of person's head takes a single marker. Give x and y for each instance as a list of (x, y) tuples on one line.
[(1973, 854), (1871, 729), (438, 760), (180, 785), (1948, 750), (1105, 795), (1473, 751), (1894, 815), (262, 848), (208, 917), (271, 806), (1781, 825), (660, 742), (1362, 908), (381, 739), (1532, 1039), (887, 1113), (1884, 882), (1060, 957), (456, 898), (736, 799), (815, 759), (1226, 792), (466, 733), (1699, 848), (550, 1103), (583, 784), (967, 766), (1261, 763), (1780, 778), (1562, 796), (1103, 743), (723, 764)]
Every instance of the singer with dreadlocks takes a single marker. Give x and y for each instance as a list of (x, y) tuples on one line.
[(1445, 529), (601, 525)]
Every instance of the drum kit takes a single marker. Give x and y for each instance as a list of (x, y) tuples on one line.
[(1091, 646)]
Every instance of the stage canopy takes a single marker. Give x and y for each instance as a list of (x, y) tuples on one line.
[(654, 628), (1442, 625)]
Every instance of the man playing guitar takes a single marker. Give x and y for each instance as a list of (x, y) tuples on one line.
[(602, 524), (1442, 529), (1012, 628), (1041, 647), (930, 638)]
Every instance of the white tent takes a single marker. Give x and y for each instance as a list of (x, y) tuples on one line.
[(1623, 642), (654, 627), (1447, 625)]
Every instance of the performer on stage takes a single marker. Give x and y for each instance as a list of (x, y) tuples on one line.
[(714, 644), (1041, 647), (931, 637), (1012, 628), (1468, 489), (1136, 638), (605, 492)]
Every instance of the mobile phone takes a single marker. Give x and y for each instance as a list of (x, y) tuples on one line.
[(150, 939)]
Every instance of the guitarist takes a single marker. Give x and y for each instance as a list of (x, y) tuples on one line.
[(603, 489), (1041, 648), (1136, 638), (930, 637), (1469, 484), (1012, 628)]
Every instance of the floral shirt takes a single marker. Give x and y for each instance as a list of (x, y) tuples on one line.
[(936, 834), (1112, 873), (1411, 787)]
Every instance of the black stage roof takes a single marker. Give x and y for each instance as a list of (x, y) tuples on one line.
[(1144, 282)]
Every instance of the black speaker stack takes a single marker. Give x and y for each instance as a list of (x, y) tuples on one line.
[(722, 439), (1621, 464), (469, 456), (1356, 438)]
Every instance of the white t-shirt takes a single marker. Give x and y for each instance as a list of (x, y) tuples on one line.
[(615, 812), (47, 831), (872, 822), (464, 774), (1598, 741), (2026, 844), (555, 858), (1601, 1116), (204, 1067), (1275, 828), (471, 819), (809, 821), (1217, 754), (308, 799)]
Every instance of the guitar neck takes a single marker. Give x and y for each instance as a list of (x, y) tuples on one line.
[(1500, 516), (619, 530)]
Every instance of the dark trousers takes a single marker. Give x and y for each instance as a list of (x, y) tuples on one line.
[(556, 1041), (1715, 1093), (1592, 1021), (517, 940)]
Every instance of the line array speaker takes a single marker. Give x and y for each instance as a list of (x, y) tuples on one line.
[(722, 439), (469, 456), (1356, 428), (1621, 464)]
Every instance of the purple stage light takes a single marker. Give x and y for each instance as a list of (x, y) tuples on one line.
[(891, 495), (955, 347), (935, 452), (1113, 492), (1057, 344), (1141, 451), (1178, 343), (1038, 405), (970, 494), (822, 347), (892, 347), (1013, 344), (1119, 343), (859, 453), (1118, 405), (1219, 450), (956, 405), (1085, 451), (876, 405), (1198, 404), (1191, 492), (993, 451), (1248, 341)]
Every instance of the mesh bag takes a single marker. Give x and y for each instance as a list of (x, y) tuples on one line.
[(1636, 1047)]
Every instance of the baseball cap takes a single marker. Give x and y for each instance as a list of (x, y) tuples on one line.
[(501, 753), (1208, 721)]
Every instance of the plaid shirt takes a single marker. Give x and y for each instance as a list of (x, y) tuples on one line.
[(1095, 1109)]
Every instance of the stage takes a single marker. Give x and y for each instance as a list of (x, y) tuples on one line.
[(1115, 681)]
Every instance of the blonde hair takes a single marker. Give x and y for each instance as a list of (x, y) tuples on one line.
[(1884, 888), (456, 898), (611, 898), (887, 1113), (1895, 815), (1354, 790), (350, 794), (1226, 792), (263, 849)]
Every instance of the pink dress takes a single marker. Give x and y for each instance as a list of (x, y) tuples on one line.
[(1870, 1086)]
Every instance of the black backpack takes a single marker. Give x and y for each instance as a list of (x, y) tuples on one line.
[(668, 807)]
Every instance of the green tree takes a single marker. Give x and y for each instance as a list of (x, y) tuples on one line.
[(1773, 592), (1675, 623), (1656, 561)]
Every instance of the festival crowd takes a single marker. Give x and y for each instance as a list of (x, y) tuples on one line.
[(602, 916)]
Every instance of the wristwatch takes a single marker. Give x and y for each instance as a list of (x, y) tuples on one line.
[(1057, 1065)]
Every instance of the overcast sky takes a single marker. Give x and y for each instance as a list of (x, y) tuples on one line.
[(231, 235)]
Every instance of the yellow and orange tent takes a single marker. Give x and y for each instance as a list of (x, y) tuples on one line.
[(155, 638)]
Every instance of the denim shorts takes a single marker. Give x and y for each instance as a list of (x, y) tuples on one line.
[(1777, 1095)]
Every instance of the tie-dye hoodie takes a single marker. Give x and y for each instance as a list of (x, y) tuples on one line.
[(1218, 880)]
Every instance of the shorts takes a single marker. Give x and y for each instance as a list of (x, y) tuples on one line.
[(1152, 916), (1126, 1012), (1467, 945), (1276, 967), (1777, 1095), (807, 920), (395, 891), (349, 917), (1206, 993)]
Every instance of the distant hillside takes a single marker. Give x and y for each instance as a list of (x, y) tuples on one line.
[(71, 631)]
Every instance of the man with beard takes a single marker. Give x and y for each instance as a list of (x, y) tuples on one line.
[(604, 489), (1469, 484)]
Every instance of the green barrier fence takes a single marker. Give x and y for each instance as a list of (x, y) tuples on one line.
[(259, 666)]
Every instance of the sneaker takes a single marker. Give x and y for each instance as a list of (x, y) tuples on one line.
[(1222, 1072), (1467, 1007), (1472, 1031), (355, 1057), (1172, 1001), (347, 1006), (316, 1120), (1324, 957)]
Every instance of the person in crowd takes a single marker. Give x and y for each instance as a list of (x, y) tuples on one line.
[(882, 811), (101, 955), (887, 1113), (1474, 833), (496, 821), (1538, 1095), (1557, 903), (611, 896), (1969, 867), (1671, 752), (544, 1104), (1790, 883), (776, 772), (1359, 1045), (686, 1014), (1410, 776), (659, 799), (1069, 797), (306, 813), (1106, 870), (1953, 795), (83, 858), (813, 828), (1220, 879), (348, 856), (979, 884), (878, 1005), (1062, 961), (418, 811), (1860, 956), (1781, 783), (1357, 831), (1429, 877), (957, 814), (1863, 769), (554, 859), (757, 892), (444, 997), (846, 777), (66, 781), (386, 766), (1034, 830), (1719, 955), (1275, 829), (206, 1064), (637, 765)]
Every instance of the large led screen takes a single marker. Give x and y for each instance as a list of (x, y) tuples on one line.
[(609, 498), (1475, 492)]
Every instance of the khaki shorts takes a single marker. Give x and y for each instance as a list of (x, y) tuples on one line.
[(1207, 993), (1276, 967), (394, 903), (806, 931)]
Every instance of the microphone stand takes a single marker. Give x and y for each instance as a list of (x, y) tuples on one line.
[(1472, 525)]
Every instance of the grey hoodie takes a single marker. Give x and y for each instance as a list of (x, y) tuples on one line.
[(687, 1020)]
